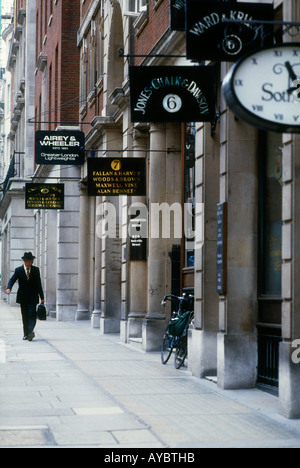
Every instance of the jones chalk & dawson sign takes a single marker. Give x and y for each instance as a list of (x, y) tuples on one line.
[(172, 94)]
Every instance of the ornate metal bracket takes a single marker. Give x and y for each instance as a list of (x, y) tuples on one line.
[(287, 26), (213, 124)]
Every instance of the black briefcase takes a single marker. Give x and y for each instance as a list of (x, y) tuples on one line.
[(41, 312)]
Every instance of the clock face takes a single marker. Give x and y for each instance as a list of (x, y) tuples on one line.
[(264, 88)]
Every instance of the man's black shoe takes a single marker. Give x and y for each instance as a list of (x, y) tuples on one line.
[(31, 336)]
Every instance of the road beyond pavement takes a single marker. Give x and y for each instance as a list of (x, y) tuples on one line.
[(75, 388)]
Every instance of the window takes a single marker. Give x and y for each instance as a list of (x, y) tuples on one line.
[(46, 17), (135, 7), (92, 64), (83, 74), (100, 50), (270, 214)]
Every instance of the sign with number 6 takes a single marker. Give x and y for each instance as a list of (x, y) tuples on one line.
[(172, 94)]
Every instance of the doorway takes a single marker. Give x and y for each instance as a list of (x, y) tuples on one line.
[(269, 261)]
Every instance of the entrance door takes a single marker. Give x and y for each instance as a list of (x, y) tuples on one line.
[(269, 265), (188, 197)]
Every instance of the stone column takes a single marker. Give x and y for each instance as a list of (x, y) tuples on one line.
[(111, 242), (82, 312), (203, 335), (237, 344), (289, 363), (4, 264), (137, 268), (96, 316), (154, 322), (111, 274), (164, 186), (108, 138), (51, 262), (67, 248)]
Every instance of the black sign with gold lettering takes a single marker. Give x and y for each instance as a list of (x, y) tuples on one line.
[(44, 196), (222, 248), (113, 177), (59, 147), (172, 94), (220, 31), (138, 242)]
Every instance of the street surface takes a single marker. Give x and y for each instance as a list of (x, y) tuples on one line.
[(72, 387)]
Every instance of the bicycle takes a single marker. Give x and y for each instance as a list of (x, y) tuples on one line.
[(175, 336)]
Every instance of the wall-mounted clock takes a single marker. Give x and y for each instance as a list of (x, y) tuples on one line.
[(262, 88)]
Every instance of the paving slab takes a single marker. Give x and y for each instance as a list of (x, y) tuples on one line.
[(73, 387), (25, 436)]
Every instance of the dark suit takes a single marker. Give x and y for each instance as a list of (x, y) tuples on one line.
[(28, 295)]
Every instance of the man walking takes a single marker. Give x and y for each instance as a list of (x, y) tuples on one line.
[(30, 288)]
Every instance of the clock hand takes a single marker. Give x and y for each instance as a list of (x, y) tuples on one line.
[(291, 71), (293, 76)]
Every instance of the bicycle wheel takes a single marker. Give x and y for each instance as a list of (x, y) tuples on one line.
[(181, 352), (167, 347)]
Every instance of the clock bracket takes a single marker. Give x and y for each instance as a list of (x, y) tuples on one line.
[(291, 28), (214, 122)]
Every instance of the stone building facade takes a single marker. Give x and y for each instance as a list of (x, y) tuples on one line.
[(232, 331), (18, 224), (43, 61), (56, 107), (245, 332)]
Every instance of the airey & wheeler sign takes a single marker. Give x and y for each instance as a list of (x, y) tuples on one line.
[(59, 147)]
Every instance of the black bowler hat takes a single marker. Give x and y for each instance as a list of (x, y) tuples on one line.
[(28, 256)]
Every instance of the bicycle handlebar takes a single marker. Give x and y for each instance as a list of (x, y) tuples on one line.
[(172, 297)]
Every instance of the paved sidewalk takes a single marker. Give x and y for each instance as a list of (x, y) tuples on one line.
[(72, 387)]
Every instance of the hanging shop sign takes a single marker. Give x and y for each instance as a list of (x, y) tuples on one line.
[(222, 248), (262, 88), (138, 242), (59, 147), (113, 177), (172, 94), (44, 196), (219, 30), (178, 16)]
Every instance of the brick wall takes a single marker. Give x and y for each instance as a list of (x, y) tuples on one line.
[(158, 23), (57, 27), (94, 105)]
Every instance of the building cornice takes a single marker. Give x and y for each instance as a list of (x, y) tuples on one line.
[(21, 16), (42, 62), (15, 189), (85, 25), (99, 126), (7, 31)]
